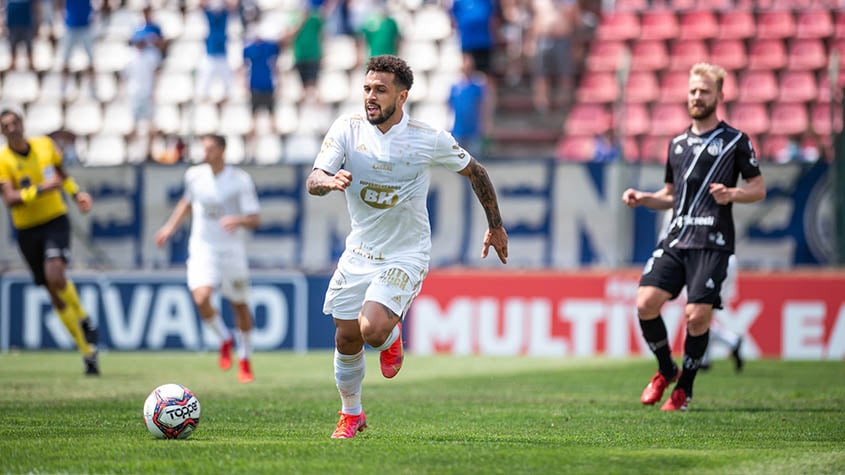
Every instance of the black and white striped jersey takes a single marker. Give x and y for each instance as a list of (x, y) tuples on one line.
[(694, 162)]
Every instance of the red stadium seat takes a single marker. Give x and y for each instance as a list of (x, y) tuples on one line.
[(642, 86), (653, 148), (606, 55), (789, 119), (668, 119), (576, 148), (636, 119), (839, 25), (807, 54), (683, 54), (758, 86), (597, 87), (797, 86), (730, 89), (752, 118), (631, 149), (658, 25), (649, 56), (587, 119), (767, 54), (729, 54), (737, 25), (698, 25), (814, 24), (631, 5), (619, 26), (775, 24), (774, 148), (821, 120), (674, 87), (825, 90)]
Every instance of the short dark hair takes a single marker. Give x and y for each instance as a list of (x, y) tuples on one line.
[(219, 140), (15, 113), (387, 63)]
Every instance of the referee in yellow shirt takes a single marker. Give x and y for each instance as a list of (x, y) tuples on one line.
[(31, 180)]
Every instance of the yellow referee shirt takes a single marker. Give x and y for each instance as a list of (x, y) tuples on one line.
[(23, 171)]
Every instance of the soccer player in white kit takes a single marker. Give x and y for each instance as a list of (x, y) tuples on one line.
[(381, 162), (224, 206)]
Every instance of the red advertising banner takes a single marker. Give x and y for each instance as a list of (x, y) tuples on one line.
[(583, 314)]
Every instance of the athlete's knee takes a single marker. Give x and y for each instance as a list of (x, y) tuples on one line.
[(649, 302), (698, 318), (348, 341)]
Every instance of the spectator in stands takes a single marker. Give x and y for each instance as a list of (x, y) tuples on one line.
[(21, 25), (477, 22), (155, 37), (516, 23), (216, 64), (380, 32), (800, 148), (261, 53), (554, 24), (79, 24), (606, 147), (307, 38), (468, 100), (140, 76)]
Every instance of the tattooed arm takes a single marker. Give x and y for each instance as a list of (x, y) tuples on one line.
[(496, 234), (320, 182)]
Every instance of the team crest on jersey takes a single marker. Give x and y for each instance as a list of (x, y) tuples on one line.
[(679, 149), (361, 148), (715, 147)]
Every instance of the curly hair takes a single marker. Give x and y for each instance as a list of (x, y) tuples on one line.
[(386, 63)]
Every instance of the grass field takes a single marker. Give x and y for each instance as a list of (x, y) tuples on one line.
[(441, 415)]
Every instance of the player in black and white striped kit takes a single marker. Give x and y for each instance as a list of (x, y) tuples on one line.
[(703, 167)]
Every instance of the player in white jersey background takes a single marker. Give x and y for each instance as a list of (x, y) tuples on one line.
[(381, 161), (223, 204), (703, 167)]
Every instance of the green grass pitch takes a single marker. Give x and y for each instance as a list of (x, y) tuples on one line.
[(440, 415)]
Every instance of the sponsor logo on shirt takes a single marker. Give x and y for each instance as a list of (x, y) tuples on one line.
[(379, 196)]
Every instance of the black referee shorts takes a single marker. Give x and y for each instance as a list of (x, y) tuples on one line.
[(39, 243)]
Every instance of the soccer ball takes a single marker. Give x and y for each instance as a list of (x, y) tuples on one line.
[(171, 411)]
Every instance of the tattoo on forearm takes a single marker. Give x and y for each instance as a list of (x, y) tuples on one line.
[(483, 188), (315, 187)]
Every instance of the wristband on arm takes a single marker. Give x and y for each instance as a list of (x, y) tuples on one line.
[(28, 194), (70, 186)]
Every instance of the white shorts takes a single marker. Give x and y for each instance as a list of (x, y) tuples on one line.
[(228, 270), (357, 280)]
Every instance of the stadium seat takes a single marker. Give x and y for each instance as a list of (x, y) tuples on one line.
[(420, 90), (789, 118), (287, 117), (658, 25), (758, 86), (642, 86), (696, 5), (117, 118), (315, 119), (737, 25), (333, 86), (268, 149), (775, 24), (105, 150), (683, 54), (631, 5), (668, 119), (436, 114), (290, 87), (171, 22), (84, 117), (839, 25), (605, 56), (20, 87), (797, 86), (730, 89), (339, 53), (107, 86), (631, 149), (111, 56), (450, 57), (174, 88), (43, 117), (729, 54), (698, 25), (121, 24), (750, 117), (576, 148), (767, 54), (649, 56), (814, 23), (821, 120), (431, 23), (636, 119), (653, 148), (618, 26), (168, 118), (587, 119), (301, 148), (422, 56), (196, 25), (674, 87), (439, 86), (235, 118), (184, 55), (807, 54), (235, 149), (43, 55), (774, 148), (203, 119), (597, 87)]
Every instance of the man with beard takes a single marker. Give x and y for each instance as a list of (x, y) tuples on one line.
[(381, 162), (702, 170)]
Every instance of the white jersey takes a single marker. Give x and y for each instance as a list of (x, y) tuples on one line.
[(231, 192), (390, 181)]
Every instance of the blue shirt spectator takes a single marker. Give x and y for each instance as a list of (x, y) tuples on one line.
[(78, 13), (215, 43), (473, 20), (466, 99), (19, 14), (260, 59)]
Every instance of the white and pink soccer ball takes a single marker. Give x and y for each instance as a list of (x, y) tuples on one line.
[(171, 411)]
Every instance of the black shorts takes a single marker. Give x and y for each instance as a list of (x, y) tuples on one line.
[(309, 71), (42, 242), (701, 270), (483, 59), (263, 100)]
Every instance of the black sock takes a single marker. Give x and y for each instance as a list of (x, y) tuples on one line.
[(654, 332), (694, 350)]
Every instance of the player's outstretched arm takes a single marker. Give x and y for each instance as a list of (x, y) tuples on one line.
[(180, 213), (661, 199), (83, 200), (496, 234), (320, 182), (754, 190)]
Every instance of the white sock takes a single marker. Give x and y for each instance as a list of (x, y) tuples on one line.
[(723, 336), (349, 373), (244, 344), (219, 326), (390, 339)]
